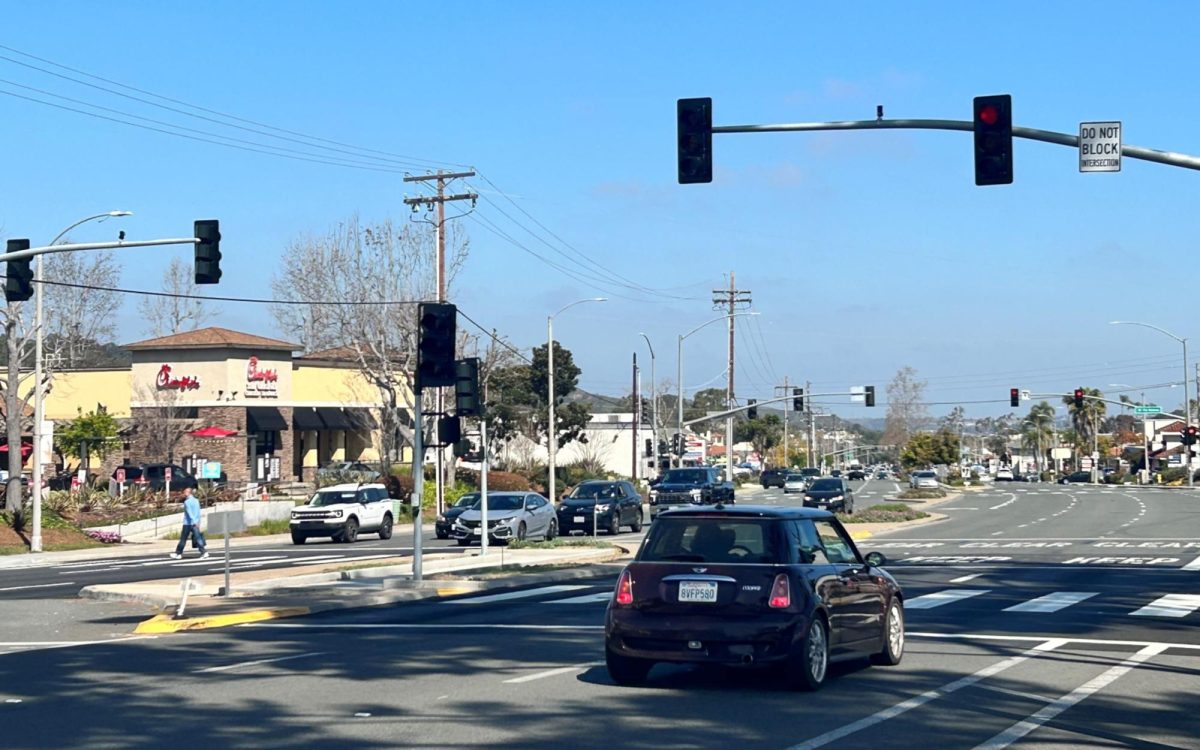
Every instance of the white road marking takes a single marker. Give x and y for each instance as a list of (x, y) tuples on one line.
[(1193, 565), (20, 646), (257, 662), (553, 672), (1052, 602), (940, 598), (1011, 499), (37, 586), (964, 579), (516, 594), (919, 700), (319, 557), (1040, 638), (1024, 727), (601, 596), (419, 626), (1171, 605)]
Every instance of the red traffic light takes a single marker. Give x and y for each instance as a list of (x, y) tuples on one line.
[(1014, 397), (989, 115)]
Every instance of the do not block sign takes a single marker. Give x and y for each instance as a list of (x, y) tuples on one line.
[(1099, 147)]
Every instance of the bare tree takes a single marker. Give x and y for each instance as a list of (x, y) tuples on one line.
[(375, 274), (907, 412), (78, 319), (179, 312), (19, 350), (160, 422)]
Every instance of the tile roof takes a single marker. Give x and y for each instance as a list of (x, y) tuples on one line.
[(337, 353), (213, 338)]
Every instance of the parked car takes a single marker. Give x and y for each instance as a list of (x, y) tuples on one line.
[(154, 476), (752, 586), (773, 478), (607, 505), (795, 482), (832, 493), (511, 515), (924, 480), (1076, 477), (445, 519), (342, 511), (699, 485)]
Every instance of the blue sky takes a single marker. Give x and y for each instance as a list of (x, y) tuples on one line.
[(864, 252)]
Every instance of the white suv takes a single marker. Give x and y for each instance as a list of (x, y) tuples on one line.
[(342, 511)]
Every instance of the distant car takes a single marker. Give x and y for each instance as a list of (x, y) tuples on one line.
[(607, 505), (924, 480), (511, 515), (830, 493), (445, 519), (1004, 475), (154, 476), (752, 587), (881, 475), (702, 485), (773, 478), (856, 475), (1077, 477), (795, 482), (342, 511), (835, 473), (810, 473), (982, 472)]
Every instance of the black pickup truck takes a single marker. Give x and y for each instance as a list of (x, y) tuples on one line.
[(702, 485)]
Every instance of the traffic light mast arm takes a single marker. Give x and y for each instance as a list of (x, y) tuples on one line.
[(31, 252), (1046, 136), (755, 405), (1086, 396)]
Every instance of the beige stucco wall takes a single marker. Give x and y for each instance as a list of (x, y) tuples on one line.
[(75, 393), (322, 385)]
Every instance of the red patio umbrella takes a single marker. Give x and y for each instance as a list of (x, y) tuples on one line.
[(212, 432)]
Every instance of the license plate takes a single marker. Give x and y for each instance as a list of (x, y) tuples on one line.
[(477, 532), (698, 591), (577, 519)]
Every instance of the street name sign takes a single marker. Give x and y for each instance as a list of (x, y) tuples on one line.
[(1146, 410), (1100, 147)]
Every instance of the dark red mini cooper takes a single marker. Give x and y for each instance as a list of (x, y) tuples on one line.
[(751, 586)]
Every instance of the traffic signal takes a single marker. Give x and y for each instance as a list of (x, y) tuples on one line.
[(437, 323), (993, 140), (1190, 434), (649, 448), (870, 394), (1014, 397), (449, 431), (677, 444), (694, 118), (18, 281), (798, 399), (208, 251), (1078, 398), (752, 410), (466, 387)]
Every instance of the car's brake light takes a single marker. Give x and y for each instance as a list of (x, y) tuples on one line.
[(625, 589), (781, 592)]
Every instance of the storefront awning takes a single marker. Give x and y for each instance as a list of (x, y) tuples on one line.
[(306, 418), (264, 419), (333, 418), (361, 419)]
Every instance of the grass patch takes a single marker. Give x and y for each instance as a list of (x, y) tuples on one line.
[(562, 541), (885, 513), (267, 527), (58, 534), (911, 494), (366, 565), (511, 570)]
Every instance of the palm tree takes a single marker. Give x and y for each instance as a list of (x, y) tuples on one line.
[(1086, 418), (1037, 430)]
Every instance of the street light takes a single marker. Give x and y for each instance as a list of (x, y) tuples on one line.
[(653, 405), (679, 381), (1187, 404), (551, 427), (35, 537)]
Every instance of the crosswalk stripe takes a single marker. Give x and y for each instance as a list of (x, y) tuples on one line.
[(1052, 602), (1193, 565), (939, 598), (1171, 605), (516, 594)]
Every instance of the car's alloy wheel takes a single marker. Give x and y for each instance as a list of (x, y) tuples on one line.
[(385, 530), (521, 530), (893, 637), (626, 670), (614, 523), (349, 531), (637, 520), (806, 670), (552, 530)]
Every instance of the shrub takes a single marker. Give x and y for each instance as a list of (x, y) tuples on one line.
[(1177, 474), (107, 537), (911, 494)]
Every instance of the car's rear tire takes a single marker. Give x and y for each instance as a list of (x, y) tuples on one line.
[(298, 538), (626, 670), (637, 520), (442, 535), (466, 540), (614, 523), (893, 636), (349, 532), (806, 669), (385, 530), (552, 530)]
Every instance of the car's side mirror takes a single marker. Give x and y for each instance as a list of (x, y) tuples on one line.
[(876, 559)]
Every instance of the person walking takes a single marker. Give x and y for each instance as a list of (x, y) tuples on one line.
[(191, 525)]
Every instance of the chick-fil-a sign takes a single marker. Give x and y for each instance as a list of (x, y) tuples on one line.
[(165, 381), (260, 382)]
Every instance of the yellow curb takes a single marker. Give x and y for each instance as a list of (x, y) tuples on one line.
[(166, 624), (860, 534), (454, 592)]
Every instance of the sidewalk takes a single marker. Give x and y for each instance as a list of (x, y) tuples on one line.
[(265, 595), (863, 531)]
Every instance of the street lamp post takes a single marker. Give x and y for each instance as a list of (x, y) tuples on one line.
[(653, 406), (679, 376), (551, 427), (1187, 404), (35, 537)]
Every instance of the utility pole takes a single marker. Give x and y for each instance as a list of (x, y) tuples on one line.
[(786, 391), (637, 413), (812, 431), (730, 299), (430, 202)]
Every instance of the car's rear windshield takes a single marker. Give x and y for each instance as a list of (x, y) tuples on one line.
[(811, 472), (826, 484), (706, 539), (685, 475), (794, 477), (925, 474), (331, 497)]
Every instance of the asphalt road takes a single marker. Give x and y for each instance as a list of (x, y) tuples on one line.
[(1035, 650)]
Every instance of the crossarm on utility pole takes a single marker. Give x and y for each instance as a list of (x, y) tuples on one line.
[(740, 409), (31, 252)]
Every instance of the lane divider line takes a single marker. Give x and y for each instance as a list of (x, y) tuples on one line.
[(553, 672), (257, 662)]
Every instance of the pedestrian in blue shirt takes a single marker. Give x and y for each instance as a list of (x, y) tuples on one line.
[(191, 525)]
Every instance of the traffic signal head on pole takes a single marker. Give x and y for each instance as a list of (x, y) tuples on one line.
[(208, 251), (18, 276), (870, 395), (694, 117), (752, 411), (437, 330), (466, 387), (1190, 434), (798, 399), (1078, 398), (993, 140), (1014, 397), (649, 448)]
